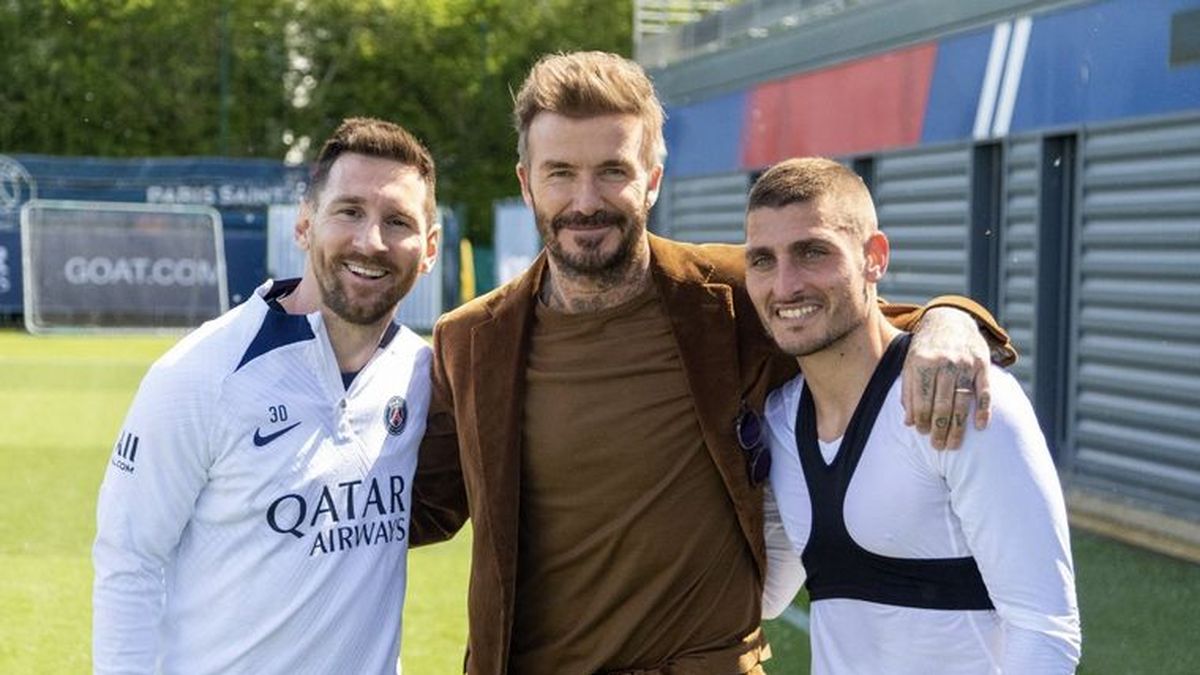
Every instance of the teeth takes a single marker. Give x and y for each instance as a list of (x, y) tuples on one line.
[(795, 312), (365, 271)]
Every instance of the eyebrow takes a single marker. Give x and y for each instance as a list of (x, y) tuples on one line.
[(606, 164), (346, 199), (358, 201), (801, 244)]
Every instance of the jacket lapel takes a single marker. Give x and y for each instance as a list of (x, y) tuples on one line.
[(705, 327), (499, 348)]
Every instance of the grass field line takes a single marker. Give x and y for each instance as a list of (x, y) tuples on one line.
[(796, 618)]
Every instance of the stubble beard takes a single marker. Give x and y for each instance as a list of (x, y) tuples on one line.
[(844, 321), (369, 310), (592, 263)]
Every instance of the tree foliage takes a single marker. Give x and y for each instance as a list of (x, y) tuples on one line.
[(271, 78)]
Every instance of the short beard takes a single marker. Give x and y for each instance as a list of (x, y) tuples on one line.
[(847, 319), (829, 340), (592, 264), (374, 310)]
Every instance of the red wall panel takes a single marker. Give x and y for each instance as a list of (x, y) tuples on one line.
[(865, 105)]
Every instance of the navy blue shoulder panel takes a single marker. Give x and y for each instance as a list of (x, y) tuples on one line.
[(278, 329)]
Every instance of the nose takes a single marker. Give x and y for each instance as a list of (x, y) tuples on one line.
[(789, 279), (368, 238), (586, 198)]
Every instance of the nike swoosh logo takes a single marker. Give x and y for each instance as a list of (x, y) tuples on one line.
[(260, 440)]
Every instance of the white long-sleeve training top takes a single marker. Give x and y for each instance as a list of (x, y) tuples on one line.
[(996, 499), (254, 514)]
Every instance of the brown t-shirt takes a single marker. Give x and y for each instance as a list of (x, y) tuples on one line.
[(630, 551)]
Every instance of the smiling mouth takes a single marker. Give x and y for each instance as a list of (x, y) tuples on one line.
[(363, 271), (795, 312), (587, 227)]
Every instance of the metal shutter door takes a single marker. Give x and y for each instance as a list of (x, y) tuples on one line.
[(1018, 252), (1134, 397), (922, 197), (707, 208)]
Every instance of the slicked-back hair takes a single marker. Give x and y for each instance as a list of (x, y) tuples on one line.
[(588, 84), (376, 138), (806, 179)]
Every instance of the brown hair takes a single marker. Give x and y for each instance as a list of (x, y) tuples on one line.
[(805, 179), (376, 138), (587, 84)]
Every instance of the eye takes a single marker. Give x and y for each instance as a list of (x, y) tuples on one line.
[(759, 262), (400, 222), (814, 253), (350, 211), (613, 172)]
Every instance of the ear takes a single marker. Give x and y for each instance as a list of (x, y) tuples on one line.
[(433, 245), (303, 225), (653, 184), (523, 177), (877, 252)]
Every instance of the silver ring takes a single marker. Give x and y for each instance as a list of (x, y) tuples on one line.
[(963, 390)]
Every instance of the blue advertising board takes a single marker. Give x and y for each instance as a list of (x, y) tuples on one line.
[(10, 271), (241, 190)]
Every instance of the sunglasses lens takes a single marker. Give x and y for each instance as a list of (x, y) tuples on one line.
[(762, 465), (749, 430)]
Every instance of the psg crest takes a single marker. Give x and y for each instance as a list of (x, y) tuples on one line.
[(395, 415)]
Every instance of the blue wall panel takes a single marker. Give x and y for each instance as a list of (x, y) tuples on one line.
[(957, 81), (11, 293), (245, 262), (240, 189), (705, 137), (1104, 62)]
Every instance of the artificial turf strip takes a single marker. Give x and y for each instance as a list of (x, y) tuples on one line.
[(1140, 610), (62, 400)]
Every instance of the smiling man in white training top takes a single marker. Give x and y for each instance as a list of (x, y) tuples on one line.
[(918, 560), (255, 513)]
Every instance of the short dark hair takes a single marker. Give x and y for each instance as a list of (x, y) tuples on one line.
[(805, 179), (376, 138)]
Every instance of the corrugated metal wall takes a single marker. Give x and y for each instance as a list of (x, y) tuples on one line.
[(922, 197), (1134, 395), (1018, 252), (707, 208), (1129, 214)]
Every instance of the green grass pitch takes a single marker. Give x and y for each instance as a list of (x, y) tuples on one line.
[(62, 400)]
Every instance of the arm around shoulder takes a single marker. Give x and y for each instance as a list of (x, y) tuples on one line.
[(907, 317)]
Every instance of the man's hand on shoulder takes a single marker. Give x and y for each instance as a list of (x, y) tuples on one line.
[(946, 368)]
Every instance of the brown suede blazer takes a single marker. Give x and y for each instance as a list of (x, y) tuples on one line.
[(470, 462)]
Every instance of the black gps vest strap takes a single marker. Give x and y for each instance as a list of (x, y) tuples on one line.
[(837, 567)]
